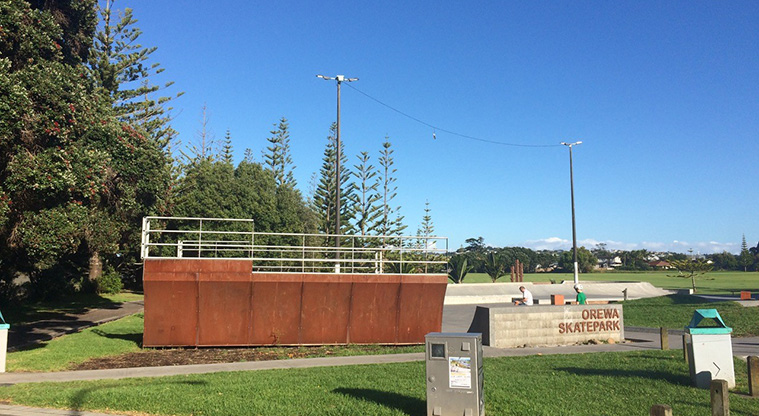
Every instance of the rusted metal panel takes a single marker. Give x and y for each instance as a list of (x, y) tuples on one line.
[(223, 316), (171, 310), (212, 302), (374, 310), (325, 309), (275, 309), (420, 307)]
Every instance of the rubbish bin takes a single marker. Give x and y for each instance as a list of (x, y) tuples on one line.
[(709, 349), (3, 342), (454, 374)]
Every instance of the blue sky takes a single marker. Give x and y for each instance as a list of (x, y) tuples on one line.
[(664, 96)]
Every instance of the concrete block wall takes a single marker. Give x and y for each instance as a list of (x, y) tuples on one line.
[(508, 327)]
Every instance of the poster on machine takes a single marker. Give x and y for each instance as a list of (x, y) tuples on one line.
[(460, 372)]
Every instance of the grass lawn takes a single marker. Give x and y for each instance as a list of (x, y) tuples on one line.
[(676, 311), (584, 384), (711, 283), (125, 336), (112, 338), (74, 304)]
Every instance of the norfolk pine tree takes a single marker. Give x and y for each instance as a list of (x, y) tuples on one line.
[(326, 190), (226, 153), (388, 190), (746, 259), (364, 200), (277, 157), (120, 65)]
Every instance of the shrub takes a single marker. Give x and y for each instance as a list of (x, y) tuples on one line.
[(110, 282)]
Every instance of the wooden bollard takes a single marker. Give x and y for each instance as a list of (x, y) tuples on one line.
[(664, 336), (720, 398), (685, 349), (753, 376), (660, 410)]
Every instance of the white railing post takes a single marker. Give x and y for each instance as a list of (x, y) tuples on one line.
[(145, 238)]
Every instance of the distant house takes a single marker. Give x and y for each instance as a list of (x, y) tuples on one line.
[(660, 264)]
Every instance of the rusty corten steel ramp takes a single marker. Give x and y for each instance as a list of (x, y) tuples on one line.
[(215, 302)]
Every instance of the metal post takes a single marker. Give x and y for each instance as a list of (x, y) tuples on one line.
[(574, 228), (337, 175), (339, 79)]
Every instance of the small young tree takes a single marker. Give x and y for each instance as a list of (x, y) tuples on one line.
[(494, 266), (426, 228), (457, 268), (690, 269)]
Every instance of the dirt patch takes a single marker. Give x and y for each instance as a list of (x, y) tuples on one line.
[(188, 356)]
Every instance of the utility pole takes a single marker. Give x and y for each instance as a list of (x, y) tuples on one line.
[(340, 79), (572, 190)]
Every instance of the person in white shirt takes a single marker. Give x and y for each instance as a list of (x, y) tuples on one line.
[(526, 297)]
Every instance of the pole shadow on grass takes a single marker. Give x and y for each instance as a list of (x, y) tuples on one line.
[(678, 379), (80, 397), (406, 404), (133, 337)]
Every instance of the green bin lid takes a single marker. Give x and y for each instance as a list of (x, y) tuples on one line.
[(701, 314)]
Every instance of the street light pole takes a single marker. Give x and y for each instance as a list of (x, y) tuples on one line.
[(572, 188), (340, 79)]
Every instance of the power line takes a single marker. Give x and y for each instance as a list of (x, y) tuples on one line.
[(436, 128)]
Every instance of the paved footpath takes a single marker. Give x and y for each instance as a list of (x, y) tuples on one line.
[(35, 332)]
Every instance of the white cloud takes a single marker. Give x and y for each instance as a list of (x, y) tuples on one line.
[(679, 246)]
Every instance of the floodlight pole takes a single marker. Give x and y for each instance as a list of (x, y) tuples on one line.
[(572, 191), (340, 79)]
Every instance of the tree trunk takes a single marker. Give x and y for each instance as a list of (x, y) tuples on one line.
[(96, 267), (693, 282)]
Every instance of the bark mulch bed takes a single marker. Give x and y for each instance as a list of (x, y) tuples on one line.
[(186, 356)]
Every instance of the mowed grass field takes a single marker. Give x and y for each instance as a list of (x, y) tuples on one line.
[(581, 384), (711, 283)]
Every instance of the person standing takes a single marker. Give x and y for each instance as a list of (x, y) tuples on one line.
[(581, 298), (526, 297)]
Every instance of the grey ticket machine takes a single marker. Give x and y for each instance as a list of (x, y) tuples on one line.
[(454, 374)]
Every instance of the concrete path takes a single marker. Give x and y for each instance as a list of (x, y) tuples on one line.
[(30, 333), (479, 293), (8, 410)]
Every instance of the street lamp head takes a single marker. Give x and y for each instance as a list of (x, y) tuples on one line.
[(571, 144)]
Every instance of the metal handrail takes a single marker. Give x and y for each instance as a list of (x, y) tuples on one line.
[(299, 252)]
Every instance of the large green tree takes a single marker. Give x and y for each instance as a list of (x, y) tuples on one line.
[(586, 261), (73, 178)]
